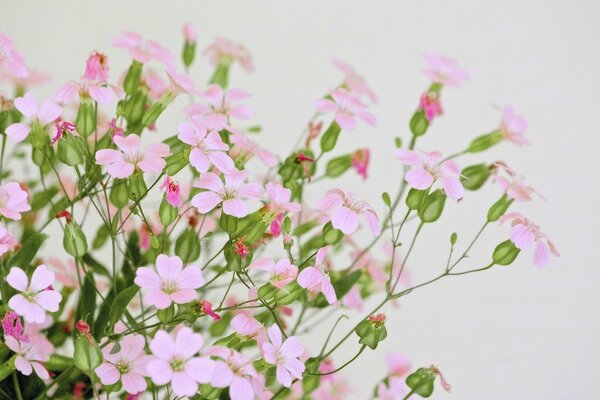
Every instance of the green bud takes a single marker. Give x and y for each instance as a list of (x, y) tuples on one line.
[(453, 238), (156, 109), (119, 195), (432, 207), (372, 331), (71, 149), (86, 117), (134, 107), (287, 225), (474, 176), (154, 242), (87, 355), (385, 196), (398, 142), (189, 52), (330, 137), (256, 232), (484, 142), (419, 123), (187, 246), (415, 198), (136, 186), (167, 212), (74, 240), (498, 209), (228, 223), (421, 382), (221, 75), (337, 166), (176, 162), (505, 253), (132, 79), (288, 294), (331, 235), (267, 291), (310, 383)]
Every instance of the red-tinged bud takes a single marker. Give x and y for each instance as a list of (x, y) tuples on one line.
[(301, 157), (431, 106), (206, 308), (194, 219), (287, 311), (241, 249), (83, 328), (66, 215), (62, 127), (78, 390), (314, 130), (360, 161), (377, 319)]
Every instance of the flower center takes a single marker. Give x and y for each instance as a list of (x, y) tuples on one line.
[(177, 364), (169, 287), (123, 367)]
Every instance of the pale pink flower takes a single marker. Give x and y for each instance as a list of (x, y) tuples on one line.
[(65, 272), (12, 326), (360, 161), (146, 234), (354, 81), (513, 127), (398, 364), (28, 358), (123, 162), (246, 325), (315, 280), (172, 283), (525, 233), (394, 390), (10, 59), (221, 107), (284, 355), (28, 106), (156, 85), (346, 107), (337, 388), (189, 33), (513, 185), (172, 190), (7, 241), (33, 331), (207, 147), (142, 50), (175, 361), (128, 365), (36, 295), (426, 168), (225, 51), (230, 194), (279, 199), (353, 299), (35, 78), (180, 82), (244, 149), (233, 370), (282, 272), (346, 209), (440, 69), (431, 106)]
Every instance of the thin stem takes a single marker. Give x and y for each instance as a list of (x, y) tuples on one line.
[(16, 383), (364, 346)]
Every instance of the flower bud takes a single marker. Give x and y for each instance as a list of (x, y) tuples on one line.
[(71, 150), (134, 107), (187, 246), (419, 123), (505, 253), (119, 194), (189, 46), (206, 308), (498, 209), (132, 79), (86, 117), (421, 382), (87, 355), (372, 330), (337, 166), (74, 240), (330, 137), (484, 142), (221, 75), (360, 161), (331, 235), (167, 212), (136, 186), (432, 207), (473, 177), (415, 198)]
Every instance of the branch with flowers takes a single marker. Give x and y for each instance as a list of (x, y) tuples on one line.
[(194, 267)]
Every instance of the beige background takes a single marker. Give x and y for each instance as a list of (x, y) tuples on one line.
[(510, 333)]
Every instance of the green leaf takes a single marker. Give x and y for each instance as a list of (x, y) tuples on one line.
[(42, 199), (187, 246), (119, 305), (25, 255), (86, 308)]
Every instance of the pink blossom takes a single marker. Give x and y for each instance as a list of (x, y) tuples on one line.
[(246, 325), (440, 69), (394, 390), (171, 189), (28, 358), (225, 51), (513, 185), (233, 370), (244, 149), (189, 33), (37, 116), (355, 82), (36, 295), (156, 85), (360, 161), (283, 354), (337, 388), (525, 233), (353, 300), (431, 106), (123, 162), (7, 241), (275, 226), (346, 209), (426, 168), (346, 107), (35, 78), (221, 107), (172, 283), (33, 331), (230, 194), (12, 326), (279, 199), (175, 362), (65, 272), (10, 59), (207, 147), (282, 272), (513, 127), (142, 50), (207, 308), (398, 364), (96, 67), (128, 365), (315, 280), (180, 82)]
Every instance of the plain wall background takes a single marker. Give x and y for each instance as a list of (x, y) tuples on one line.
[(509, 333)]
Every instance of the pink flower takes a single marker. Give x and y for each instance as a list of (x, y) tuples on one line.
[(221, 107), (207, 147), (206, 308), (28, 358), (142, 50), (353, 300), (13, 201), (282, 272), (337, 388), (279, 199), (128, 365), (156, 85), (11, 325), (315, 280), (96, 67), (180, 82), (398, 364), (230, 194), (244, 149), (431, 106), (245, 325), (28, 106), (513, 127), (10, 59), (355, 82), (36, 295), (525, 233), (513, 186), (233, 370), (346, 107), (171, 189), (225, 51), (175, 362), (426, 169), (65, 272), (7, 241), (172, 283), (442, 70), (189, 33), (122, 163), (347, 208), (360, 161), (284, 354), (394, 390)]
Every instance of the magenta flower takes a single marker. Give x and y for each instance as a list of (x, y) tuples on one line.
[(142, 50), (7, 241), (12, 326), (37, 295), (128, 365), (221, 107), (360, 161), (172, 190), (225, 51), (279, 199), (230, 194), (315, 280), (355, 82), (244, 149), (525, 233), (172, 283), (123, 162), (10, 59), (426, 168), (284, 355), (235, 371), (347, 208), (29, 358), (440, 69), (346, 107), (282, 272), (513, 127), (207, 147), (175, 361), (37, 116), (431, 106)]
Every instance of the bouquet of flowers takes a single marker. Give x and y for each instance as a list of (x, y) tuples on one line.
[(193, 267)]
